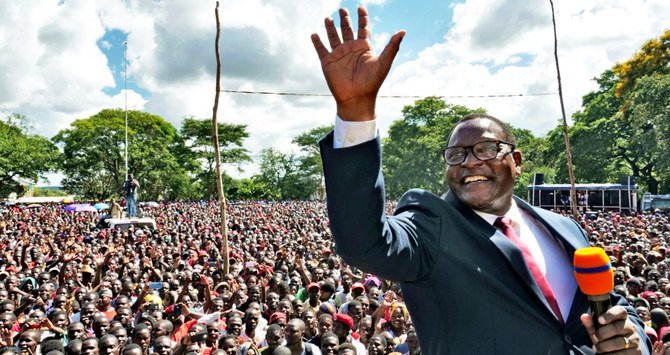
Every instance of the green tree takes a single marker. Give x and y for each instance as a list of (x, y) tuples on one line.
[(47, 192), (310, 160), (612, 135), (412, 151), (22, 155), (532, 160), (650, 115), (246, 189), (198, 137), (93, 150), (281, 174)]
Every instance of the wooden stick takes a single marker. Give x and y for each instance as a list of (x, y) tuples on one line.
[(568, 154), (217, 154)]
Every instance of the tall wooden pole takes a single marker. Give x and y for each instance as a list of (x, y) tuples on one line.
[(568, 154), (217, 154)]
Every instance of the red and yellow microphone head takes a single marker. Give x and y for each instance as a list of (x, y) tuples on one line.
[(593, 271)]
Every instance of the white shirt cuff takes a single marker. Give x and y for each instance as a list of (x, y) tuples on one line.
[(350, 133)]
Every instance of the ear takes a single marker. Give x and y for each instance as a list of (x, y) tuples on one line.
[(516, 155)]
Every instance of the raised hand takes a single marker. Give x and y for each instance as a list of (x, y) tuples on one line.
[(389, 298), (353, 72), (6, 339)]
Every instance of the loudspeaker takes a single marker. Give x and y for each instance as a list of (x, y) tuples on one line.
[(538, 179)]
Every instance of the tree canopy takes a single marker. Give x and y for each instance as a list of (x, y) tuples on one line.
[(93, 150), (197, 135), (23, 156)]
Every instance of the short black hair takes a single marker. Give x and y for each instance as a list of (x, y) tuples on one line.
[(328, 287), (346, 346), (51, 344), (508, 135)]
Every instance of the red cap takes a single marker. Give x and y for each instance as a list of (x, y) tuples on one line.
[(312, 285), (277, 316), (593, 271), (344, 319), (358, 285), (648, 294), (326, 251)]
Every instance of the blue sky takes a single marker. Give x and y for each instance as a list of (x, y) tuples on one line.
[(425, 21), (112, 44), (63, 60)]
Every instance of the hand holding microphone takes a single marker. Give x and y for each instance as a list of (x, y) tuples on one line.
[(595, 278), (609, 327)]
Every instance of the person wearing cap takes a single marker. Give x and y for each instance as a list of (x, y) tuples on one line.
[(372, 281), (313, 302), (105, 303), (278, 318), (475, 238), (342, 325)]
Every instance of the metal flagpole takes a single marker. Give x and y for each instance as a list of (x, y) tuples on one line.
[(125, 95)]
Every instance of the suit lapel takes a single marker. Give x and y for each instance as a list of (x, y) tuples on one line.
[(507, 248), (565, 237)]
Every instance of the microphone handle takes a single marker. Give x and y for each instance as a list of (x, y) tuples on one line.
[(599, 305)]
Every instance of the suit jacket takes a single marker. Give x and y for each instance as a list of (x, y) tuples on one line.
[(466, 286)]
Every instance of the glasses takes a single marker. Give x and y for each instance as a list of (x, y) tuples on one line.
[(483, 151)]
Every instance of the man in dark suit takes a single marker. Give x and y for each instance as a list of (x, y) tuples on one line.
[(482, 272)]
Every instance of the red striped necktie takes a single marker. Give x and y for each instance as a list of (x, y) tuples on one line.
[(505, 225)]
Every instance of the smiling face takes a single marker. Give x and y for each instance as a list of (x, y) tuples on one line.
[(485, 186)]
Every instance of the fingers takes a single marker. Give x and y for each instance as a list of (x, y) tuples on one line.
[(363, 24), (613, 314), (346, 26), (659, 348), (333, 37), (616, 331), (391, 49), (321, 50)]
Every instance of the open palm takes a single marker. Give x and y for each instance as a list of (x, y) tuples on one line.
[(353, 73)]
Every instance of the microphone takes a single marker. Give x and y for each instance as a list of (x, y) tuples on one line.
[(595, 278)]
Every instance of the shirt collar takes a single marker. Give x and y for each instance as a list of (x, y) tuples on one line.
[(513, 214)]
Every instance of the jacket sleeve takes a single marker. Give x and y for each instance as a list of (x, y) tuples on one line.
[(400, 248)]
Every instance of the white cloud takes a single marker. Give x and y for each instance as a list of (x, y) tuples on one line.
[(379, 41), (372, 2), (53, 71), (498, 47)]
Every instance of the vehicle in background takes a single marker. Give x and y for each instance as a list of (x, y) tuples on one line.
[(125, 223)]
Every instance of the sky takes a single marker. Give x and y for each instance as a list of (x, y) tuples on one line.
[(63, 60)]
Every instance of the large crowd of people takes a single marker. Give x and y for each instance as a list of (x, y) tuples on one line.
[(70, 286)]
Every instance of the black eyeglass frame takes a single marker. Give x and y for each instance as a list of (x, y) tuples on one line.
[(471, 149)]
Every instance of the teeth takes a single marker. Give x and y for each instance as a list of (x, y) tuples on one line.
[(470, 179)]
